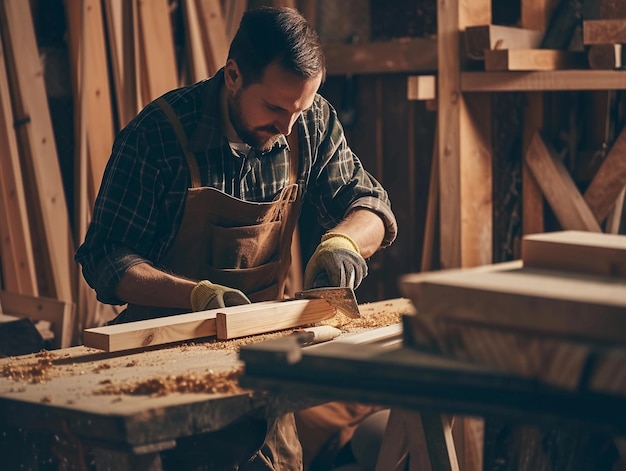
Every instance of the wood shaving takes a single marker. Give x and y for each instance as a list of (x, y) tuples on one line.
[(37, 371), (208, 383)]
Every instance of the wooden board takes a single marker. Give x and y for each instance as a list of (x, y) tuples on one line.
[(60, 314), (577, 251), (403, 55), (273, 317), (252, 319), (157, 58), (482, 37), (196, 56), (16, 252), (563, 305), (604, 31), (213, 34), (559, 189), (533, 59)]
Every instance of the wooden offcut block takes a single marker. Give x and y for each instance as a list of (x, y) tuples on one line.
[(576, 251), (421, 87), (605, 56), (604, 31), (273, 317), (483, 37), (534, 59)]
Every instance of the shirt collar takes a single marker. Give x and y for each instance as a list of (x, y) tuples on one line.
[(209, 134)]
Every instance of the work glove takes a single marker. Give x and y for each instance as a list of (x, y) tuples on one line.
[(337, 258), (206, 295)]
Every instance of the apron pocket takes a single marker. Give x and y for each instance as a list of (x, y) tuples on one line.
[(244, 247), (248, 280)]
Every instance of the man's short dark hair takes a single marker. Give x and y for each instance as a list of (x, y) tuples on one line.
[(267, 34)]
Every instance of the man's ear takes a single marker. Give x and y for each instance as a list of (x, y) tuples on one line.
[(232, 76)]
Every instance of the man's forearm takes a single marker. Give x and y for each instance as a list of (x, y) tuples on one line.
[(143, 284), (366, 228)]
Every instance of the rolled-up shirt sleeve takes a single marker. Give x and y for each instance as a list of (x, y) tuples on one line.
[(338, 182)]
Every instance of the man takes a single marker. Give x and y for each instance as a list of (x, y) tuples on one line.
[(202, 192)]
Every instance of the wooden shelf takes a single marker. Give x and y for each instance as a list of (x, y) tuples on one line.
[(543, 81)]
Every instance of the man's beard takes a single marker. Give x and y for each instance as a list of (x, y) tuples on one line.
[(247, 135)]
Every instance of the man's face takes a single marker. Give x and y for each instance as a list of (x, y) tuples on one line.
[(263, 111)]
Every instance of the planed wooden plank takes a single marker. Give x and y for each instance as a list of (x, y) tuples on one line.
[(234, 10), (213, 33), (533, 59), (60, 314), (482, 37), (16, 253), (38, 150), (156, 45), (557, 80), (605, 56), (608, 181), (379, 57), (604, 31), (94, 86), (273, 317), (558, 188), (119, 27), (566, 306), (577, 251)]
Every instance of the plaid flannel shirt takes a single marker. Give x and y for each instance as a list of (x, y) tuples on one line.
[(141, 200)]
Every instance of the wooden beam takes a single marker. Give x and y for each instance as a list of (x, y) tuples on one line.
[(558, 188), (533, 59), (604, 31), (577, 251), (273, 317), (402, 55), (60, 314), (587, 308), (483, 37), (608, 181), (38, 150), (557, 80), (606, 56), (16, 252)]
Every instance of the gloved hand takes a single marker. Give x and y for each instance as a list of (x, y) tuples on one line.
[(338, 257), (206, 295)]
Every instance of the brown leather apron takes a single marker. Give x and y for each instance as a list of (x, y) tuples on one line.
[(242, 245), (228, 241)]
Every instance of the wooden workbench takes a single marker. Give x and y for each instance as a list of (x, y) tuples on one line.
[(129, 406), (71, 396)]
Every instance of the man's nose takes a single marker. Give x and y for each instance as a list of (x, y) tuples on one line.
[(284, 126)]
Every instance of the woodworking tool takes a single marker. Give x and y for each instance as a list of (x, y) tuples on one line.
[(341, 298)]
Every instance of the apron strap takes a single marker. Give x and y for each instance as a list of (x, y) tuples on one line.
[(294, 160), (182, 138)]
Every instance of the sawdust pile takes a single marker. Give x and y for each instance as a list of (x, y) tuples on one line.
[(208, 383), (37, 371), (370, 318)]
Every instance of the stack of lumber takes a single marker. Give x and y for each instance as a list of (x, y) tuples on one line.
[(604, 36), (122, 55), (558, 314), (504, 48)]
